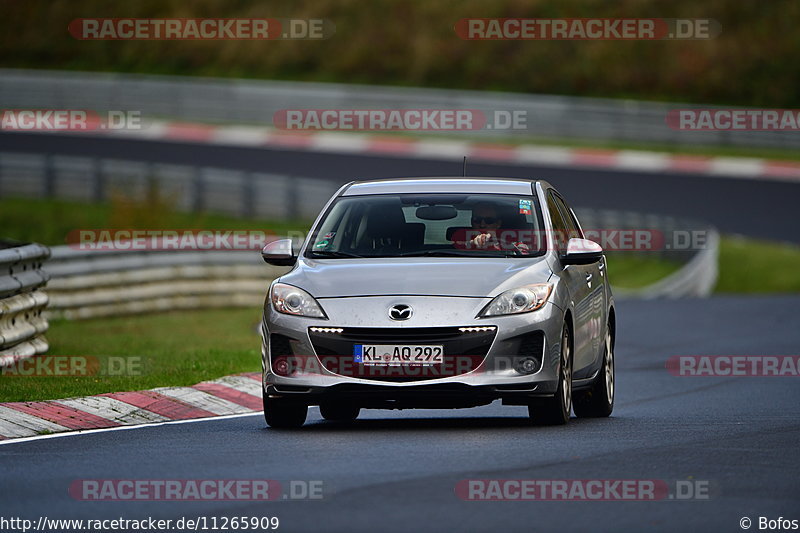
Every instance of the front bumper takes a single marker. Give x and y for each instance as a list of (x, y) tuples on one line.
[(494, 377)]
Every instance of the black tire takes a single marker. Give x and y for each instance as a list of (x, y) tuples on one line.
[(556, 411), (337, 412), (598, 401), (284, 414)]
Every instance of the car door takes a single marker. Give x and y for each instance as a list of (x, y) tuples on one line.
[(593, 307), (575, 278)]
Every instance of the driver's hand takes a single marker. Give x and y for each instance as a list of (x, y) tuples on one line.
[(522, 248), (482, 240)]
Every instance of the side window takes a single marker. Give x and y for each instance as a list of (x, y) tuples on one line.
[(569, 219), (559, 227), (351, 227)]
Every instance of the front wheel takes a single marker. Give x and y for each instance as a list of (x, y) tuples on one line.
[(599, 400), (555, 411), (283, 413)]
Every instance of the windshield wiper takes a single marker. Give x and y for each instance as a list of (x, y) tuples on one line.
[(334, 253), (441, 253), (446, 252)]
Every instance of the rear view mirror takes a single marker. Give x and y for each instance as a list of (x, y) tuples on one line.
[(582, 252), (436, 212), (279, 253)]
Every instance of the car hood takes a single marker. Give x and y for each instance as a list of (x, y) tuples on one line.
[(472, 277)]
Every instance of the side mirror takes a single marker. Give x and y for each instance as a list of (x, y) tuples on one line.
[(582, 252), (279, 253)]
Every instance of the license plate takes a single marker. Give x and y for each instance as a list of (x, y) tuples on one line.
[(398, 354)]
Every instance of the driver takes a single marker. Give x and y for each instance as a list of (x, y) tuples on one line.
[(484, 233), (485, 222)]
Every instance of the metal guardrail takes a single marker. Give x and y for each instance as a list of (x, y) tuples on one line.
[(88, 284), (255, 102), (184, 187), (22, 322)]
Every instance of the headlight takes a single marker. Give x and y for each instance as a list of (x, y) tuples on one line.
[(522, 300), (293, 301)]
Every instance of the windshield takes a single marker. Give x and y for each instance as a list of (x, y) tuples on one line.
[(408, 225)]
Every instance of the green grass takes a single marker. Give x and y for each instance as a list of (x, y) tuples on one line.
[(746, 266), (167, 349), (633, 271), (750, 266)]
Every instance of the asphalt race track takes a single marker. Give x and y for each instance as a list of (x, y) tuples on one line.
[(765, 209), (396, 471)]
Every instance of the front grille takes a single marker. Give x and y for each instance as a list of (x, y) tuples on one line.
[(463, 351)]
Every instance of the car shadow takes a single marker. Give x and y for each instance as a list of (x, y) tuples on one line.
[(437, 424)]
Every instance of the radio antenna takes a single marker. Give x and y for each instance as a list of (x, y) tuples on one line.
[(464, 169)]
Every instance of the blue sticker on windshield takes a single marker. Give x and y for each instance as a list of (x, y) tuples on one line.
[(525, 207)]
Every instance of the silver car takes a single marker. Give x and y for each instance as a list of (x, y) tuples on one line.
[(439, 293)]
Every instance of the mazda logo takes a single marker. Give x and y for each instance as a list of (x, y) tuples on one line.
[(400, 312)]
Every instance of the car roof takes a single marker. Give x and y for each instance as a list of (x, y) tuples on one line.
[(471, 185)]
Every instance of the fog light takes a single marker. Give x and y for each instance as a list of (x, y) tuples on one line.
[(281, 366), (527, 365)]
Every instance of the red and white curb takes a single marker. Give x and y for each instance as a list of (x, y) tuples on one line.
[(372, 144), (230, 395)]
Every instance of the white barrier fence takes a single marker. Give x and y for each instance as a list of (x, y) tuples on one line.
[(88, 284), (22, 302)]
